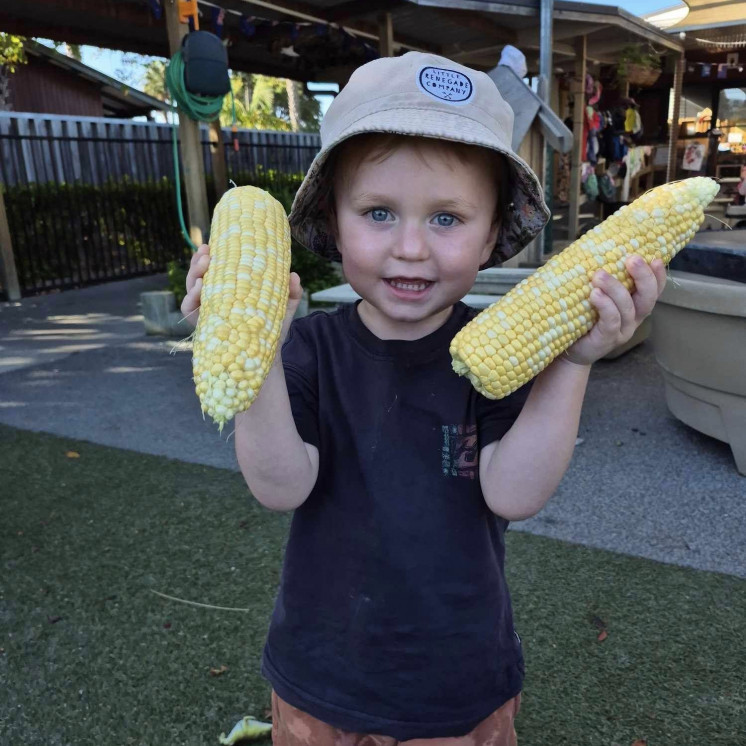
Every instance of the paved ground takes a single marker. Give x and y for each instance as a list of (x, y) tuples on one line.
[(78, 364)]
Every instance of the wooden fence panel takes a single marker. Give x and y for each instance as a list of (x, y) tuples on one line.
[(93, 150)]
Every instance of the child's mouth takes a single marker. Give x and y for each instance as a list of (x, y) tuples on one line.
[(410, 285)]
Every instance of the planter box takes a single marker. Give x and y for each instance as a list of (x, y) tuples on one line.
[(487, 289), (699, 336)]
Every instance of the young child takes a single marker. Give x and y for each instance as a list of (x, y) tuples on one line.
[(393, 621)]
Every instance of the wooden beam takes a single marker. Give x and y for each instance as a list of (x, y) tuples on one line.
[(576, 159), (635, 25), (568, 50), (385, 35), (217, 155), (673, 132), (529, 37), (8, 273), (315, 14), (198, 223), (480, 22), (129, 27), (352, 9)]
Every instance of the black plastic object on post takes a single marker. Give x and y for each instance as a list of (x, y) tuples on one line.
[(205, 64)]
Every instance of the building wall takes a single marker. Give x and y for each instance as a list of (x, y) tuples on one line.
[(45, 88)]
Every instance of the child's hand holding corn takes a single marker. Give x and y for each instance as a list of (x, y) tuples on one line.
[(197, 268), (619, 311)]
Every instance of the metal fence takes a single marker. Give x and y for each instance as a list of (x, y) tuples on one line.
[(91, 200)]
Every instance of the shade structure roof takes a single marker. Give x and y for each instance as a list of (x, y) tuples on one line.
[(324, 40), (707, 14), (710, 25)]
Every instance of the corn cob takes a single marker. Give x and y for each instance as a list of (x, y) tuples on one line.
[(243, 301), (246, 729), (515, 338)]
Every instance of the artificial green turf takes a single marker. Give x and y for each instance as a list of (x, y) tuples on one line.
[(91, 656)]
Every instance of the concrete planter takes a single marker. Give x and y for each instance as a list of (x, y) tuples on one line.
[(161, 317), (699, 336)]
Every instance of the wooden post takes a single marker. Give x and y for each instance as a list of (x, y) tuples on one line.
[(8, 274), (191, 148), (673, 133), (217, 153), (543, 243), (385, 35), (576, 159)]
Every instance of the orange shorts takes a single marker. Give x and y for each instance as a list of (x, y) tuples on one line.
[(292, 727)]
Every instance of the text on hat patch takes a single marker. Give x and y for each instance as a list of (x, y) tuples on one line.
[(448, 85)]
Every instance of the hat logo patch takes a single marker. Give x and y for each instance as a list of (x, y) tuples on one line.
[(447, 85)]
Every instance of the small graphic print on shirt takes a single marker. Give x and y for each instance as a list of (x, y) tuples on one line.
[(448, 85), (460, 457)]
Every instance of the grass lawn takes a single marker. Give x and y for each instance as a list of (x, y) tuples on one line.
[(90, 655)]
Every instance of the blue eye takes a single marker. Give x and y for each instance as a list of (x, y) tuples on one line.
[(379, 214), (445, 220)]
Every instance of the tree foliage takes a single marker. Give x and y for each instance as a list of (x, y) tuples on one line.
[(12, 52), (261, 101)]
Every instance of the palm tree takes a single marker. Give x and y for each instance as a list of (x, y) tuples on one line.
[(291, 89), (155, 82)]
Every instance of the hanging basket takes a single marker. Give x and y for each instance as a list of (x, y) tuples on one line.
[(640, 75)]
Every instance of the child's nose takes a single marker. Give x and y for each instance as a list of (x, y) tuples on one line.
[(411, 244)]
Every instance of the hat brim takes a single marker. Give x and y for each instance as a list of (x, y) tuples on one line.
[(527, 213)]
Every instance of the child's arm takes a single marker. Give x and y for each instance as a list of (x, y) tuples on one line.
[(279, 468), (520, 472)]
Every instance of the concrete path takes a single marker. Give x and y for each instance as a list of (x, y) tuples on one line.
[(50, 327), (79, 365)]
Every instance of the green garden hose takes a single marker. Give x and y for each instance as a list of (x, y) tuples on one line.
[(196, 107)]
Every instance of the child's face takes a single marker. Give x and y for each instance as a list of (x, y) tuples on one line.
[(413, 228)]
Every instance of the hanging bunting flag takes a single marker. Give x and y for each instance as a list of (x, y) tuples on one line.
[(218, 21), (706, 69), (322, 29), (294, 31), (247, 26), (156, 9)]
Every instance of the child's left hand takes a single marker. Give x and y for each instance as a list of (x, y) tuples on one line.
[(619, 311)]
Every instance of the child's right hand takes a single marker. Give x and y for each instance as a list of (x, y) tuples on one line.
[(197, 268)]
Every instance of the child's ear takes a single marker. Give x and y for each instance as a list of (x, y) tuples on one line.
[(331, 219), (489, 245)]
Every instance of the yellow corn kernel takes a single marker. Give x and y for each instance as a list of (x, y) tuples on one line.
[(556, 297), (240, 320)]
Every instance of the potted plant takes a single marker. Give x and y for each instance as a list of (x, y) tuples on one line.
[(638, 65)]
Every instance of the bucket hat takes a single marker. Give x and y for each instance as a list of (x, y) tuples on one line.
[(423, 95)]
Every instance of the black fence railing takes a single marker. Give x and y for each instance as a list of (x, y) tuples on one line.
[(70, 232)]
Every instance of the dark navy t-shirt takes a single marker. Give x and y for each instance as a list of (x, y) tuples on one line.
[(393, 615)]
